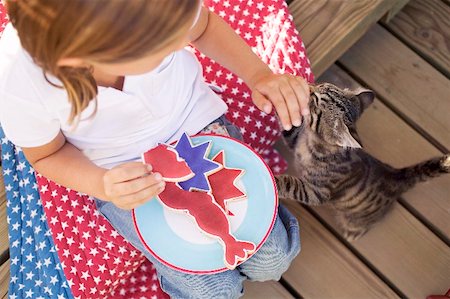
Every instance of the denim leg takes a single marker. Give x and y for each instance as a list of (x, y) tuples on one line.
[(225, 285), (224, 123), (176, 284), (277, 253)]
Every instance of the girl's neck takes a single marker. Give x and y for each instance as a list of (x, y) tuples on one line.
[(108, 80)]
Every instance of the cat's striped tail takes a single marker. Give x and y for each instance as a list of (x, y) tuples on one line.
[(422, 172)]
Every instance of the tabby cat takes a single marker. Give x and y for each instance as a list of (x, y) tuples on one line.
[(333, 169)]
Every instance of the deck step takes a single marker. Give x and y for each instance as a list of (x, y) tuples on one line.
[(4, 279), (325, 268), (329, 27), (398, 6), (401, 77), (418, 93), (271, 289), (424, 25)]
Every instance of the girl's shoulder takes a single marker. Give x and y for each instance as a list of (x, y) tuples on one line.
[(20, 77), (10, 49), (24, 116)]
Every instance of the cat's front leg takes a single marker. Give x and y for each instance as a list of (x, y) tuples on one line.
[(294, 188)]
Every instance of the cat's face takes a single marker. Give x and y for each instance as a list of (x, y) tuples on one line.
[(334, 112)]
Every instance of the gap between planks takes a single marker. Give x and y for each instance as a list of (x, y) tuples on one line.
[(425, 27), (403, 80), (329, 28), (378, 40), (326, 268)]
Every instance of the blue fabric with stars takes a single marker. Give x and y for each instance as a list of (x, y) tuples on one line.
[(35, 268)]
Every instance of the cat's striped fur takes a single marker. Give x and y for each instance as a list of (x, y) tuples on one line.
[(333, 169)]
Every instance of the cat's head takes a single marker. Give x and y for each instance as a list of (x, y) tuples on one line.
[(334, 112)]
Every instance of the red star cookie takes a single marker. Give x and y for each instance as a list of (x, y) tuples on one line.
[(223, 183)]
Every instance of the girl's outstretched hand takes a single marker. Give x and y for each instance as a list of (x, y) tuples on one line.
[(129, 185), (289, 94)]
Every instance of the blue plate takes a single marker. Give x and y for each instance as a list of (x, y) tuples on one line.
[(172, 236)]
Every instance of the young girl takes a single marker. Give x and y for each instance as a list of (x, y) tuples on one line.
[(87, 86)]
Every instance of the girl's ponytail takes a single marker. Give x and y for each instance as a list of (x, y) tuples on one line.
[(81, 89)]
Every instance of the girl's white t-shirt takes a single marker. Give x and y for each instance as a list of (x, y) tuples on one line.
[(154, 107)]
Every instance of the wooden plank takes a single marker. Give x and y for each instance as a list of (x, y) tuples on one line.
[(327, 269), (3, 224), (400, 247), (329, 27), (4, 279), (398, 6), (269, 289), (391, 140), (424, 25), (407, 82), (406, 252)]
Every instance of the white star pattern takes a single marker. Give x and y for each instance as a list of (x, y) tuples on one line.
[(31, 248)]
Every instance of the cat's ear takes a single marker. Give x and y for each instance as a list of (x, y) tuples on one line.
[(345, 139), (365, 97)]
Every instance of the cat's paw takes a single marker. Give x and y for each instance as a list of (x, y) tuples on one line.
[(445, 163), (351, 236)]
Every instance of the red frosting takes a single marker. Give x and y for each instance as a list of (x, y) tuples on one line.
[(210, 218), (223, 183), (165, 160)]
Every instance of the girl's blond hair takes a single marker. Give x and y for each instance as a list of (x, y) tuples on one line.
[(106, 31)]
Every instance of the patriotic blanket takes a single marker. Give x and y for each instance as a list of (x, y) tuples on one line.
[(60, 247), (268, 28)]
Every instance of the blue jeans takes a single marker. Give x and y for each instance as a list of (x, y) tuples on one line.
[(268, 263)]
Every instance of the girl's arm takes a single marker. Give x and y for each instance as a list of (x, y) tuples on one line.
[(289, 94), (127, 185)]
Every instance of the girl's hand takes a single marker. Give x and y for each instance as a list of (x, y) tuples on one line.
[(289, 94), (129, 185)]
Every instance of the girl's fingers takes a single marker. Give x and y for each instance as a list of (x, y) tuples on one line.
[(261, 102), (277, 100), (288, 94), (136, 185), (301, 89), (127, 172), (134, 200), (282, 109), (290, 98)]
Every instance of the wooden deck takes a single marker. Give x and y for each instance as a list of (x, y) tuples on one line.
[(407, 63)]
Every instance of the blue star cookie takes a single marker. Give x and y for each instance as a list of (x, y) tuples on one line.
[(196, 158)]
